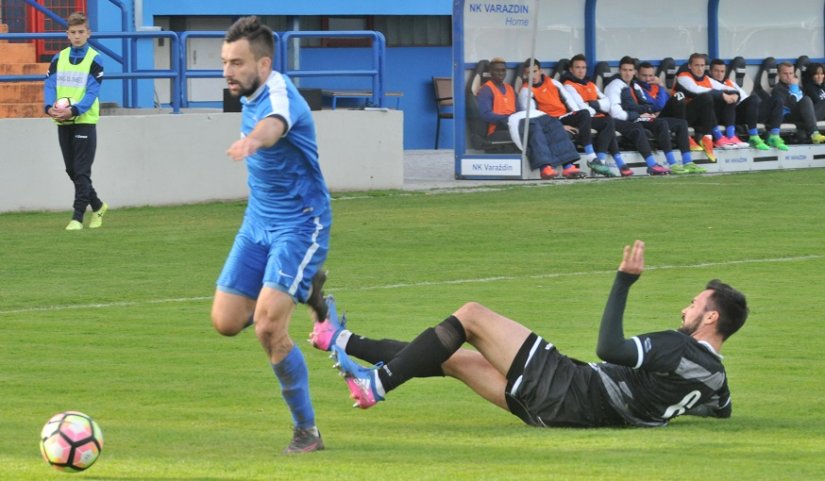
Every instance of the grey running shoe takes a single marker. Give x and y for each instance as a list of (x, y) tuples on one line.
[(305, 441)]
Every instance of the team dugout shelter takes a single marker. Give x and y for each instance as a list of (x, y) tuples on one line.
[(747, 36)]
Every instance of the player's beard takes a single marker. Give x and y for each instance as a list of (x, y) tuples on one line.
[(687, 330), (246, 91), (688, 327)]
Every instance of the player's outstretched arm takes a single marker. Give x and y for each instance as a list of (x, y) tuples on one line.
[(612, 345), (265, 134)]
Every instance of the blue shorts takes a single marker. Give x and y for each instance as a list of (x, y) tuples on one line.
[(284, 258)]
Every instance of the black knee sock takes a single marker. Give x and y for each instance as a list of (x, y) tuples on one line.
[(374, 351), (424, 355)]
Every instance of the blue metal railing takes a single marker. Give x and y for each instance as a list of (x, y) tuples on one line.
[(124, 26), (187, 73), (179, 72), (379, 48), (130, 71)]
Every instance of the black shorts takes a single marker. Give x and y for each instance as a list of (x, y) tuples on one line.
[(547, 388)]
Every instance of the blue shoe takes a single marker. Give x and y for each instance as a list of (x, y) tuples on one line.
[(325, 333), (360, 380)]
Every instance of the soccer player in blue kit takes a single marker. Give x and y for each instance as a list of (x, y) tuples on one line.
[(276, 260), (645, 380)]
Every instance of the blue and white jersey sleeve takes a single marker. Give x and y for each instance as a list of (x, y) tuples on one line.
[(285, 180), (277, 101)]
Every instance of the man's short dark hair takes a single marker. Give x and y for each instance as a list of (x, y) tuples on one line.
[(259, 36), (645, 65), (527, 64), (717, 61), (731, 306), (627, 59), (531, 62), (579, 57)]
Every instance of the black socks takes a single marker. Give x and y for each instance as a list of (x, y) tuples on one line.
[(424, 355)]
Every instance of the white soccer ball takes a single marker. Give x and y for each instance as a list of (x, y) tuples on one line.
[(63, 102), (71, 441)]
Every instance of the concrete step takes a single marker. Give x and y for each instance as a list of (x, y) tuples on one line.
[(41, 68), (20, 110), (18, 52), (21, 92)]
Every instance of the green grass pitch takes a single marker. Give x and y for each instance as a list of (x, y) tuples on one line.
[(115, 323)]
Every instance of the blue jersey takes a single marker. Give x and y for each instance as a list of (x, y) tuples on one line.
[(285, 180)]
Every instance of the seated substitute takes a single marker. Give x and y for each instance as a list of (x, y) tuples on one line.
[(586, 95), (645, 380), (629, 102), (663, 104), (550, 97), (747, 110), (798, 108), (549, 148), (671, 106), (706, 102)]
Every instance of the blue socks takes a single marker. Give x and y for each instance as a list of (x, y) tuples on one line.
[(730, 131), (686, 159), (294, 378), (617, 157), (753, 132), (650, 161), (588, 149), (774, 132), (671, 159), (717, 134)]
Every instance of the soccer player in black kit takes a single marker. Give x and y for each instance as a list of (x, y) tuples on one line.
[(645, 380)]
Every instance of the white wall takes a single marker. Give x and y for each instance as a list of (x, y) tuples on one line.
[(650, 30), (645, 29), (489, 33), (171, 159), (784, 29)]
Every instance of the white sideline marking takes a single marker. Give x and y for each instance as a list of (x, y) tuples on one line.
[(105, 305), (417, 284), (583, 273)]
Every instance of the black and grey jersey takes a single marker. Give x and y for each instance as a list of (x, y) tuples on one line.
[(674, 375)]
